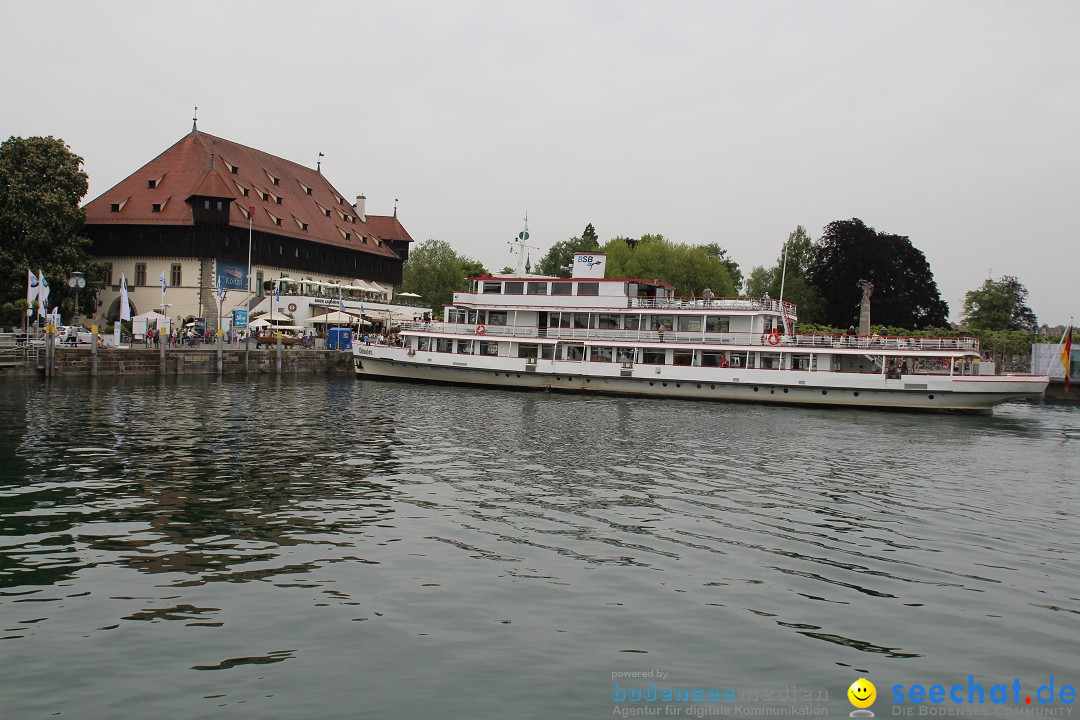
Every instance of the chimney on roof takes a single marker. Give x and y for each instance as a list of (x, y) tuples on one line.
[(361, 210)]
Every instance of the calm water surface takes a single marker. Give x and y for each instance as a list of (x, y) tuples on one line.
[(337, 548)]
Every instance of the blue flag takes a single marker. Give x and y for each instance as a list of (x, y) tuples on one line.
[(164, 287)]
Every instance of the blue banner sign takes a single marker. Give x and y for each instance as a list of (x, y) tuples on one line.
[(231, 275), (239, 318)]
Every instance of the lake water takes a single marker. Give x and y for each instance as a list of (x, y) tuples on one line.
[(334, 548)]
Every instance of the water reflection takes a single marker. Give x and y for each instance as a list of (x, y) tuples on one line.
[(393, 524)]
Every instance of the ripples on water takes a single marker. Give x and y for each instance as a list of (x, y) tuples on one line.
[(335, 548)]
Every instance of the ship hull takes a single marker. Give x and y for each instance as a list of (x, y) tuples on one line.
[(782, 387)]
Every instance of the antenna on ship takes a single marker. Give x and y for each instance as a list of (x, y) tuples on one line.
[(518, 244)]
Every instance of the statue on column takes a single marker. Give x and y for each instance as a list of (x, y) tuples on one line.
[(864, 307)]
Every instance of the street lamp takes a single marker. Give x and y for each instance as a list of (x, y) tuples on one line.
[(78, 282)]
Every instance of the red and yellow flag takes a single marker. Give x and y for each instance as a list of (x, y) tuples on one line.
[(1066, 351)]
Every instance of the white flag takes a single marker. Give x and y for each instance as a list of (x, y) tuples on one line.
[(125, 308), (31, 291), (43, 294)]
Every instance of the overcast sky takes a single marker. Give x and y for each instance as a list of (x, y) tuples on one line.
[(954, 123)]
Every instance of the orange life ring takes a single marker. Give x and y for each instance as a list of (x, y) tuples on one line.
[(774, 338), (481, 329)]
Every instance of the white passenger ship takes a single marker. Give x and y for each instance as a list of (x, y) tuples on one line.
[(634, 337)]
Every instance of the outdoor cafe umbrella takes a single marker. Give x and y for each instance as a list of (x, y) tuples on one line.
[(409, 294), (337, 318), (257, 323)]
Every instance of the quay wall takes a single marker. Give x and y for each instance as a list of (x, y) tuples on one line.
[(72, 363)]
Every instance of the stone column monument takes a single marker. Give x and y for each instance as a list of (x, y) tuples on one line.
[(864, 307)]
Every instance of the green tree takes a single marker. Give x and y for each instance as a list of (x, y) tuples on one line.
[(560, 256), (999, 305), (796, 289), (761, 281), (905, 294), (436, 272), (690, 268), (41, 222)]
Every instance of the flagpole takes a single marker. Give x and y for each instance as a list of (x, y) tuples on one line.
[(1057, 350)]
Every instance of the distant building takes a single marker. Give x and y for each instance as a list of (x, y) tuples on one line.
[(186, 215)]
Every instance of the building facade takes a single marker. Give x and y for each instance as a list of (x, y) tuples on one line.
[(196, 213)]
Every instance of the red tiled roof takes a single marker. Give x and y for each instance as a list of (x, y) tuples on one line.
[(212, 185), (184, 171), (387, 227)]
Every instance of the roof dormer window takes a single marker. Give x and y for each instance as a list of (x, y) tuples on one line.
[(307, 190), (303, 225), (232, 168), (243, 190), (155, 182), (158, 207), (276, 220), (273, 179), (344, 234), (118, 206)]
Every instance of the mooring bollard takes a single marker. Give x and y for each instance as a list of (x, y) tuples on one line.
[(93, 349), (279, 352)]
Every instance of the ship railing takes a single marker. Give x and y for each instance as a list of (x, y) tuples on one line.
[(697, 337), (711, 304)]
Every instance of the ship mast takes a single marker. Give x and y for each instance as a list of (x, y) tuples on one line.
[(518, 245)]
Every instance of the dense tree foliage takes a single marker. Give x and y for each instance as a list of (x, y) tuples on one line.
[(690, 268), (999, 305), (41, 223), (559, 259), (796, 289), (434, 271), (905, 293)]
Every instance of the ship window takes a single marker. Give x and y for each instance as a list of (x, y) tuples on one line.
[(602, 354), (537, 288), (713, 359), (497, 317), (624, 355), (588, 288), (528, 351), (562, 320), (581, 320), (547, 352), (575, 352), (715, 323), (491, 287), (682, 357), (652, 357), (424, 343), (663, 322), (464, 347), (489, 348), (444, 345), (690, 323), (561, 288), (605, 321), (514, 288), (631, 322)]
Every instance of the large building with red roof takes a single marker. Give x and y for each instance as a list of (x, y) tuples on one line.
[(188, 215)]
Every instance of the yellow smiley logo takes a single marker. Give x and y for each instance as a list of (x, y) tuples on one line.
[(862, 693)]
